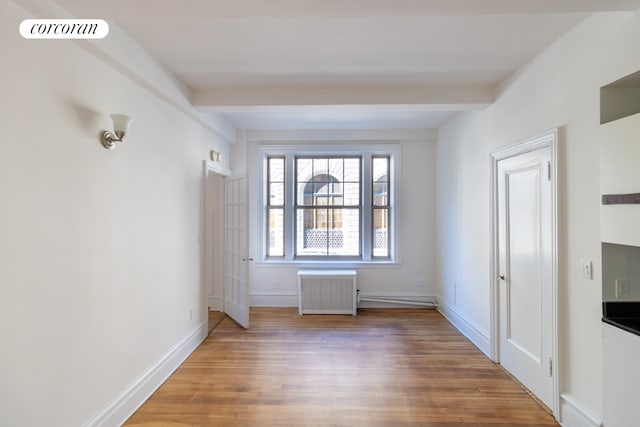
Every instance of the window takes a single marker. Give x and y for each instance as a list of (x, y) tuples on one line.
[(330, 207)]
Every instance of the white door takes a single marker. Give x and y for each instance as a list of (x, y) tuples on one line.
[(236, 271), (525, 269)]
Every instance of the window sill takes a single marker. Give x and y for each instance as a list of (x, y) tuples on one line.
[(327, 264)]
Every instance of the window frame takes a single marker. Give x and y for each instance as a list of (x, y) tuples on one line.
[(297, 206), (366, 152)]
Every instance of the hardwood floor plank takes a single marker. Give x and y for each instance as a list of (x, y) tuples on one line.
[(384, 367)]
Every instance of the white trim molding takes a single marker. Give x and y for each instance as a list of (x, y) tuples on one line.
[(215, 303), (478, 336), (136, 393), (274, 300), (575, 414), (392, 300)]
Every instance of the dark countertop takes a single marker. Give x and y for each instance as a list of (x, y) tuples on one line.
[(624, 315)]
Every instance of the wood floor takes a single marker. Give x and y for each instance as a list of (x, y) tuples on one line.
[(383, 367)]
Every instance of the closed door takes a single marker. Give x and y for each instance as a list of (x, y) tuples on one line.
[(236, 271), (525, 270)]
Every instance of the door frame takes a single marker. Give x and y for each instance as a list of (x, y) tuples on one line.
[(548, 139), (208, 253)]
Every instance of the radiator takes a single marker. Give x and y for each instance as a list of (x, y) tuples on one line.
[(327, 291)]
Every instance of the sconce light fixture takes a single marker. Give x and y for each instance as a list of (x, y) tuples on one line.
[(121, 124), (215, 156)]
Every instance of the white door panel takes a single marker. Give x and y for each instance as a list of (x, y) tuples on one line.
[(525, 267), (236, 282)]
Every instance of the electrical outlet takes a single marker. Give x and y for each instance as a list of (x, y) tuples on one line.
[(420, 283), (622, 288)]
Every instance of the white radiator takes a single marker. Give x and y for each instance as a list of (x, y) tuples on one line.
[(327, 291)]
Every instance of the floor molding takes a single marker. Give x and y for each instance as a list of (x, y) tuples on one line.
[(134, 395), (215, 303), (274, 300), (575, 414), (477, 336)]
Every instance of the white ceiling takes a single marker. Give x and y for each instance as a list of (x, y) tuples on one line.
[(339, 47)]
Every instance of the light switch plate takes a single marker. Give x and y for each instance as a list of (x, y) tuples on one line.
[(587, 269)]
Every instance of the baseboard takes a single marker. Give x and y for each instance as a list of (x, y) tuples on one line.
[(215, 303), (274, 300), (134, 395), (291, 300), (476, 335), (575, 414)]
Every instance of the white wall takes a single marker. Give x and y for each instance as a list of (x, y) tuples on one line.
[(558, 88), (416, 223), (99, 256)]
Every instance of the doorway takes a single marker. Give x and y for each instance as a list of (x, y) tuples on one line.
[(226, 249), (524, 268)]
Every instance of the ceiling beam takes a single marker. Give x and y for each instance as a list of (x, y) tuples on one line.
[(472, 96)]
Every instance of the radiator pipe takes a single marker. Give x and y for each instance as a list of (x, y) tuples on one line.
[(431, 304)]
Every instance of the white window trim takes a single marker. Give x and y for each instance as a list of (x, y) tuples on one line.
[(366, 150)]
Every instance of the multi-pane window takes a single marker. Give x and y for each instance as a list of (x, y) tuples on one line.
[(275, 206), (329, 206), (380, 206)]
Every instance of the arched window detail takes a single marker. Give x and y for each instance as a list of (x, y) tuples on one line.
[(323, 190)]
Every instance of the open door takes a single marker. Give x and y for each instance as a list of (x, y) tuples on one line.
[(236, 253)]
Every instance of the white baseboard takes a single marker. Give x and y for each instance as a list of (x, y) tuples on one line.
[(476, 335), (575, 414), (273, 300), (291, 300), (215, 303), (134, 395)]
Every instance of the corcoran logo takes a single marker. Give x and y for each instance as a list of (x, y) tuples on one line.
[(64, 28)]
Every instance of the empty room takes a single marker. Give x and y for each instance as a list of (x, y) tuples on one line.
[(320, 213)]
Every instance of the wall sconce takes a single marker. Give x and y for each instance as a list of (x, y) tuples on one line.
[(215, 156), (121, 124)]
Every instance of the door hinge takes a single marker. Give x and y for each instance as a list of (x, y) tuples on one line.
[(550, 367), (548, 171)]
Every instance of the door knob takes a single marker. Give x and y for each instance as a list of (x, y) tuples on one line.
[(501, 277)]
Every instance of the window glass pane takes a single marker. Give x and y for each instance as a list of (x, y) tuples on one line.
[(380, 192), (276, 194), (276, 169), (322, 231), (304, 169), (351, 194), (345, 234), (311, 232), (304, 195), (380, 167), (352, 170), (320, 167), (336, 169), (275, 232), (380, 232)]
